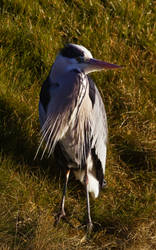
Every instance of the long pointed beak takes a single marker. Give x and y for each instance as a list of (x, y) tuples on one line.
[(99, 65)]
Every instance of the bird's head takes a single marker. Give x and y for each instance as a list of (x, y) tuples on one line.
[(77, 57)]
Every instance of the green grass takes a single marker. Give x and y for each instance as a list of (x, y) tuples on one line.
[(122, 32)]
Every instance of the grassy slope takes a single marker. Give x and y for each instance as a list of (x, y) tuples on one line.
[(121, 32)]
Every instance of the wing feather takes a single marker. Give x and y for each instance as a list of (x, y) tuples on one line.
[(99, 131), (62, 109)]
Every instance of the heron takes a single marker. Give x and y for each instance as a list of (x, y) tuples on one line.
[(73, 120)]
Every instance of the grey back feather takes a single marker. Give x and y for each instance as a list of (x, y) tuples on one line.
[(62, 110), (74, 115)]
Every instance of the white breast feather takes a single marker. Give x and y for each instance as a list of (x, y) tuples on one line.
[(93, 184)]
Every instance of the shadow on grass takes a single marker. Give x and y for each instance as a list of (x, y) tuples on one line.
[(18, 144), (133, 157)]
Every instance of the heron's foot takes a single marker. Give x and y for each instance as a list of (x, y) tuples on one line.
[(60, 216), (89, 228)]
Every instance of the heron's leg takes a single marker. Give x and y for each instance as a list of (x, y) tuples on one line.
[(62, 213), (89, 225)]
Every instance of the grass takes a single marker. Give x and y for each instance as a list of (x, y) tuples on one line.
[(121, 32)]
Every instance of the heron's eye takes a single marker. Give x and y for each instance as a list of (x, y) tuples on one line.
[(80, 59)]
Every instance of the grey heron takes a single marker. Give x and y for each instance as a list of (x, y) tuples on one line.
[(73, 119)]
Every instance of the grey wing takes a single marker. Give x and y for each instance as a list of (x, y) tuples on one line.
[(61, 109), (44, 99), (99, 131)]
